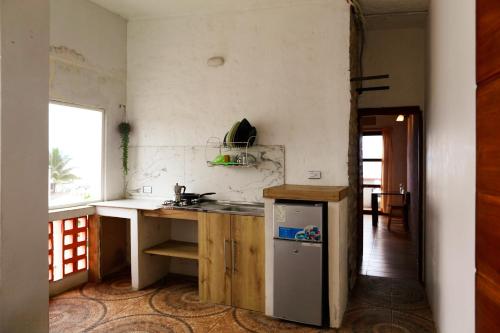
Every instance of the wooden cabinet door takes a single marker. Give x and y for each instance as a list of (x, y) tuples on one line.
[(248, 262), (214, 249)]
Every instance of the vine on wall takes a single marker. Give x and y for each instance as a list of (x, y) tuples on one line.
[(124, 128)]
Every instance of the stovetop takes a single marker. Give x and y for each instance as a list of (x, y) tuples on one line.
[(182, 203), (225, 207)]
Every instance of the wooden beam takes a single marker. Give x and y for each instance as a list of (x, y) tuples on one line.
[(404, 110), (361, 90), (372, 77)]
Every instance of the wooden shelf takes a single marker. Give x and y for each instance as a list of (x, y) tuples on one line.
[(169, 213), (173, 248)]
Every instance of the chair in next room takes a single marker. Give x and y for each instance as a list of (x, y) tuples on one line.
[(398, 209)]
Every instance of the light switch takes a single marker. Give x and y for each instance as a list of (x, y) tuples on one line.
[(147, 189), (314, 174)]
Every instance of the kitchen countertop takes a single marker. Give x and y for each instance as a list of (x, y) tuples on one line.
[(306, 192), (142, 204), (222, 207)]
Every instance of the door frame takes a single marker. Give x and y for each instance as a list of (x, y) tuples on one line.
[(389, 111)]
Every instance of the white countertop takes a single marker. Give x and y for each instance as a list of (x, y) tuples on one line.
[(154, 204), (142, 204)]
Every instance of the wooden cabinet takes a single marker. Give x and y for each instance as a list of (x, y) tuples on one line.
[(247, 234), (231, 264), (214, 234)]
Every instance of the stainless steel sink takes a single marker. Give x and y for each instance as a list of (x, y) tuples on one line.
[(241, 209), (233, 208)]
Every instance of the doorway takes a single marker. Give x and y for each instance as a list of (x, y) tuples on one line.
[(390, 224)]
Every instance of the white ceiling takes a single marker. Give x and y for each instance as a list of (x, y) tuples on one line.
[(147, 9), (371, 7)]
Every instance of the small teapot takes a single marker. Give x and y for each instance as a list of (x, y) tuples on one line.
[(179, 190)]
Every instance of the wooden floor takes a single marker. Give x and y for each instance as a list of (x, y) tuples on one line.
[(388, 253)]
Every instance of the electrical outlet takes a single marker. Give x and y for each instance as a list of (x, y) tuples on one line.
[(147, 189), (314, 174)]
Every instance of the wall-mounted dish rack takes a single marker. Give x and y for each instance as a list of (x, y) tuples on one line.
[(214, 145)]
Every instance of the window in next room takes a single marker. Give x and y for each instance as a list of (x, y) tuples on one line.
[(373, 151)]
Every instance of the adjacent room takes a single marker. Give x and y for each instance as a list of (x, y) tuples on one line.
[(245, 166), (390, 178)]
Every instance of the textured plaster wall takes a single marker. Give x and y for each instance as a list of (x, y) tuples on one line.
[(401, 54), (286, 70), (88, 68), (24, 27), (450, 165)]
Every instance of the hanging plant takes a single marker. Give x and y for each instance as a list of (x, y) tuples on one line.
[(124, 129)]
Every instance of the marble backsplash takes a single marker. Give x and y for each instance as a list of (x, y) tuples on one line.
[(162, 166)]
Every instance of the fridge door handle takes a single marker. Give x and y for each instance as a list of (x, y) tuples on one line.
[(233, 251), (225, 256)]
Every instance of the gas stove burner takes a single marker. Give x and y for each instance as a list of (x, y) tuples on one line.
[(182, 203)]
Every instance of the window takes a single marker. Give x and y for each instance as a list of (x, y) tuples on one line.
[(75, 155), (373, 151)]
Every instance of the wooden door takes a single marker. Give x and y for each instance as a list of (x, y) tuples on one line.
[(214, 249), (248, 265), (488, 167)]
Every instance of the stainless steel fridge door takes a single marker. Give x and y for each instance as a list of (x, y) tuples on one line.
[(297, 281), (297, 216)]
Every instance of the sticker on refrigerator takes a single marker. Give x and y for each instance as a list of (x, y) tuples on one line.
[(309, 233), (289, 233)]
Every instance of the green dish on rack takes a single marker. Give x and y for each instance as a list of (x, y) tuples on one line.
[(231, 134), (224, 163)]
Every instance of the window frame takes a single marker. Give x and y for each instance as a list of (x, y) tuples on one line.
[(381, 160), (103, 153), (373, 186)]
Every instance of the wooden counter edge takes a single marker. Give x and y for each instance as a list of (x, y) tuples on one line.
[(306, 192), (180, 214)]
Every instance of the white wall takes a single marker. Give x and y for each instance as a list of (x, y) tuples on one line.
[(286, 71), (23, 180), (399, 52), (88, 67), (450, 165)]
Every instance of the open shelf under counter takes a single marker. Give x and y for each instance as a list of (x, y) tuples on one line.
[(174, 248), (172, 213)]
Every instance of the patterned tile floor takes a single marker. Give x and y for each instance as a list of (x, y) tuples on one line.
[(376, 305)]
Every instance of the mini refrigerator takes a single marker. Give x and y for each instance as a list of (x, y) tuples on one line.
[(300, 262)]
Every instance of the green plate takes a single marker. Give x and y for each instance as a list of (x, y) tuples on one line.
[(231, 133)]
